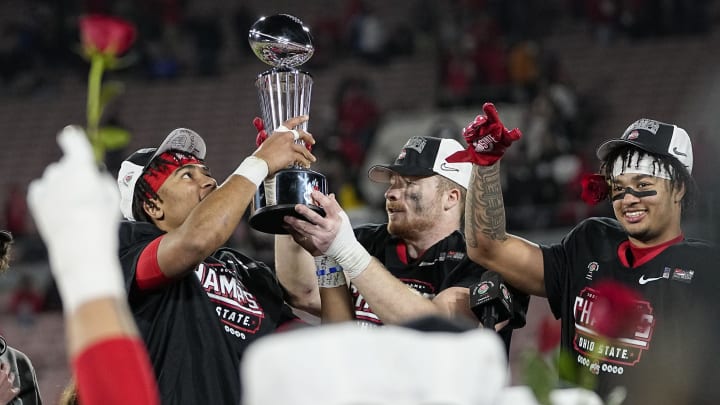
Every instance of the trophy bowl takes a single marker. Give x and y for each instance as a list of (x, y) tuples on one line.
[(283, 42)]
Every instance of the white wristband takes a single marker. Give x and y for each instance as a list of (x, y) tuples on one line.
[(254, 169), (347, 251), (329, 273)]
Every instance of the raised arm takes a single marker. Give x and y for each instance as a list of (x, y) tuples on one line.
[(519, 261), (295, 269), (74, 206), (212, 221)]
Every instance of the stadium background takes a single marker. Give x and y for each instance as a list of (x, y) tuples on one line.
[(569, 73)]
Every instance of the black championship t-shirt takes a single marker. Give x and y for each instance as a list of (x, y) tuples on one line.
[(665, 358), (443, 265), (197, 327)]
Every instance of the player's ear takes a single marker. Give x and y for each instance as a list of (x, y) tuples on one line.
[(678, 192), (152, 210), (453, 196)]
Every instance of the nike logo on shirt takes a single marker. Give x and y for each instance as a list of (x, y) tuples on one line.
[(644, 280)]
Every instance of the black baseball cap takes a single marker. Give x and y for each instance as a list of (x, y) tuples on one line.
[(654, 137), (424, 156)]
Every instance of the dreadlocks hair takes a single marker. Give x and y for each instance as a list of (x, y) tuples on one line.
[(6, 241), (144, 193), (679, 175)]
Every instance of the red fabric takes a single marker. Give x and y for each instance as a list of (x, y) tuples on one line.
[(155, 178), (147, 272), (487, 139), (401, 250), (115, 371), (643, 255), (292, 324)]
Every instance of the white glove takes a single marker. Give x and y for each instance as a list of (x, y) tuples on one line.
[(75, 207)]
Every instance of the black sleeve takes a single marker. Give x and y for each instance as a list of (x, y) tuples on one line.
[(465, 274)]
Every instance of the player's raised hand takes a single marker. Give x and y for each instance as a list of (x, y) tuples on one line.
[(280, 150), (487, 139), (75, 207)]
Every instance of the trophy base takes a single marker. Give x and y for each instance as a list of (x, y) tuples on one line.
[(270, 219), (276, 198)]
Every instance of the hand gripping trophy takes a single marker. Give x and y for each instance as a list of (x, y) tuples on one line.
[(283, 42)]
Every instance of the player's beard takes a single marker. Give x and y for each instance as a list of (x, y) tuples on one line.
[(419, 216)]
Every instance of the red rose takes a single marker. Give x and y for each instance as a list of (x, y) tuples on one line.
[(594, 188), (617, 311), (106, 34), (549, 334)]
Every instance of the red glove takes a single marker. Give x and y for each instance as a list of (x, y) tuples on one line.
[(262, 134), (487, 139)]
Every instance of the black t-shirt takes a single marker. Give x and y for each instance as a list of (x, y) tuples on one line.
[(197, 327), (443, 265), (665, 357)]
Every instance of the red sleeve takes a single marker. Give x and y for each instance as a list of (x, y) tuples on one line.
[(147, 271), (115, 371), (291, 324)]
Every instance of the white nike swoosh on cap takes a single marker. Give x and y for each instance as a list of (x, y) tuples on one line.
[(444, 166), (677, 152)]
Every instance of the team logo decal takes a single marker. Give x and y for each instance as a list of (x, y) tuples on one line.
[(415, 143), (310, 186), (611, 355), (483, 287), (651, 126), (682, 275), (238, 309), (591, 268), (505, 293), (128, 177)]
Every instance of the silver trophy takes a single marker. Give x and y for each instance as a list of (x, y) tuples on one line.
[(282, 41)]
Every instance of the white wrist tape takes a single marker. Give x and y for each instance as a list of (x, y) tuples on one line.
[(347, 251), (254, 169), (329, 273)]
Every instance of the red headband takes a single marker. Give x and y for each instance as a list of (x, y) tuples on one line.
[(174, 160)]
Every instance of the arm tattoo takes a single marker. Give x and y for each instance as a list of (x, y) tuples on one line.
[(485, 210)]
